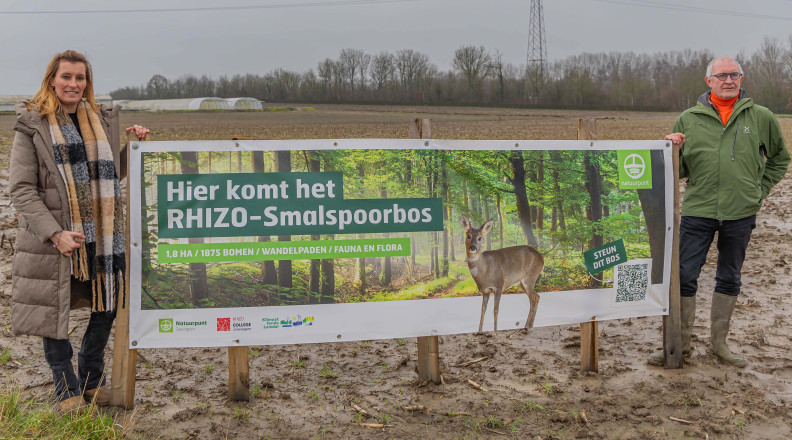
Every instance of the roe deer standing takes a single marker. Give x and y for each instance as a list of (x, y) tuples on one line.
[(497, 270)]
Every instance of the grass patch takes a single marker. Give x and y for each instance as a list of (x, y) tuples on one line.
[(22, 417)]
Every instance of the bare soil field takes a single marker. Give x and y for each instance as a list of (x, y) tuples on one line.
[(531, 384)]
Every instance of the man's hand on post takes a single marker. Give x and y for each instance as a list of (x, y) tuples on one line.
[(676, 138)]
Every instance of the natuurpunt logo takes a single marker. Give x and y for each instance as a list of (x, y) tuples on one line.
[(166, 325), (635, 169), (634, 166)]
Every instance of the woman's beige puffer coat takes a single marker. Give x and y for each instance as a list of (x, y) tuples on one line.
[(41, 275)]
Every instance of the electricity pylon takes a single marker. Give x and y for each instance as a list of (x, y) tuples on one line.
[(535, 69)]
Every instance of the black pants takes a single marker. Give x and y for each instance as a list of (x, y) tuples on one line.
[(695, 237), (90, 359)]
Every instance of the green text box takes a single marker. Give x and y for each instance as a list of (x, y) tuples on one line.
[(298, 203), (285, 250), (605, 257)]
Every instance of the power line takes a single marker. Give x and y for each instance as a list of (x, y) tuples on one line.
[(210, 8), (659, 5)]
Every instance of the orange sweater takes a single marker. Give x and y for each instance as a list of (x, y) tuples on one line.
[(723, 106)]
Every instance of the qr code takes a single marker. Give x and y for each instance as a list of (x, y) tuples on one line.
[(632, 281)]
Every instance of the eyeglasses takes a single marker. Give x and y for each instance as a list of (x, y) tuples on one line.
[(734, 76)]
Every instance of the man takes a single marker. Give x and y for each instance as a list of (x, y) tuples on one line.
[(732, 155)]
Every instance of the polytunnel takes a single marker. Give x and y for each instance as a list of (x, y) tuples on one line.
[(153, 105), (244, 103)]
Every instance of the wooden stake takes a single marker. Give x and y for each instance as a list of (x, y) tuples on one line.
[(428, 346), (122, 382), (238, 374), (589, 334), (589, 346), (672, 324)]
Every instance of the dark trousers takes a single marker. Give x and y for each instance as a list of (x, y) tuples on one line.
[(90, 359), (695, 237)]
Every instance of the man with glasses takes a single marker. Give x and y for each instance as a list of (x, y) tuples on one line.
[(732, 154)]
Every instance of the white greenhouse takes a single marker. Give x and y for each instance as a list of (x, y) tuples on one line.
[(244, 103), (190, 104)]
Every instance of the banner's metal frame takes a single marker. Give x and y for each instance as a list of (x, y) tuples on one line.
[(577, 304)]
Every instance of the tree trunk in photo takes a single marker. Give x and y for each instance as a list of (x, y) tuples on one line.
[(269, 274), (314, 272), (500, 219), (283, 165), (199, 288), (558, 207), (444, 189), (653, 206), (594, 188), (360, 276), (523, 207), (540, 177), (328, 282), (436, 253), (412, 252), (486, 208), (387, 270)]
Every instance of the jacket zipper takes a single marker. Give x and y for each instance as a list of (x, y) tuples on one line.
[(734, 144)]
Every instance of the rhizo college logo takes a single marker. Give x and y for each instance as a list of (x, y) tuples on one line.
[(236, 324), (634, 166)]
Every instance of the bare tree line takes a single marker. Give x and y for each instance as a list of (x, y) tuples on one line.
[(612, 80)]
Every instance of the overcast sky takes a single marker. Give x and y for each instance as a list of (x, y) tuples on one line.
[(127, 48)]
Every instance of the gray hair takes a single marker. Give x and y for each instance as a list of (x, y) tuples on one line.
[(722, 58)]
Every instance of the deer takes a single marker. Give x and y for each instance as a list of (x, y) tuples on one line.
[(496, 270)]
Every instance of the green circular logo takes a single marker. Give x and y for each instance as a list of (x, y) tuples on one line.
[(634, 166)]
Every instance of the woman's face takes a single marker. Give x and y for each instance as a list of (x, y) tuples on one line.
[(69, 84)]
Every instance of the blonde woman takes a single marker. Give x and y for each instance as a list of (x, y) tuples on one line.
[(66, 163)]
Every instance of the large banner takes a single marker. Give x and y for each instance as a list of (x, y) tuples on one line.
[(278, 242)]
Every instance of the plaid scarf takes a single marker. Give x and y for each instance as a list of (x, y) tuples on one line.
[(97, 211)]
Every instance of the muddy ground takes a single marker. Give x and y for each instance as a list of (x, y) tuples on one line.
[(531, 384)]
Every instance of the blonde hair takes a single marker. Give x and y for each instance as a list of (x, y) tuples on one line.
[(46, 102)]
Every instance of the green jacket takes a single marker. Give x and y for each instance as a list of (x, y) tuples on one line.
[(730, 169)]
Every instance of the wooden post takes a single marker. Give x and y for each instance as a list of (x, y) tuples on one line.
[(589, 335), (589, 345), (122, 382), (238, 374), (238, 360), (428, 346), (672, 323)]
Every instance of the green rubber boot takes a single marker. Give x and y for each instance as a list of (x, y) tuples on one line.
[(720, 316), (687, 308)]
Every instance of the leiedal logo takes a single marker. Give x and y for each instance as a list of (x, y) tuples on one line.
[(166, 325), (635, 169)]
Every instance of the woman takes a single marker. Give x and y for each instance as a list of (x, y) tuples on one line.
[(65, 169)]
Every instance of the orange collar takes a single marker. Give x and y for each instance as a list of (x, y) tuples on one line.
[(723, 106)]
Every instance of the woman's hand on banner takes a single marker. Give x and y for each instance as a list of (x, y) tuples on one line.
[(140, 131)]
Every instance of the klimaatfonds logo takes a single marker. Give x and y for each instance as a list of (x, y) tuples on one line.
[(166, 325), (294, 321), (635, 169)]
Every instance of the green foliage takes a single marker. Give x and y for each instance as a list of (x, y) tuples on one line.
[(328, 373), (22, 417), (5, 355), (480, 184)]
